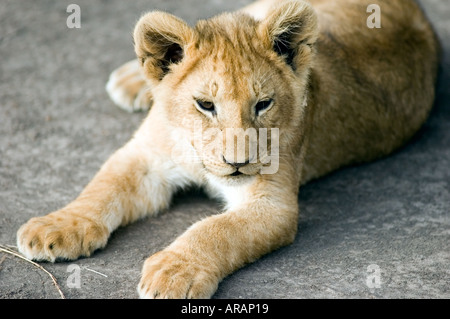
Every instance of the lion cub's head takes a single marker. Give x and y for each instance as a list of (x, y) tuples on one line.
[(238, 83)]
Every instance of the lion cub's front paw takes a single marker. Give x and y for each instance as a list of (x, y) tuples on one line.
[(168, 275), (60, 236), (127, 88)]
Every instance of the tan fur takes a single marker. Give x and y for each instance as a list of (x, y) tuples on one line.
[(342, 94)]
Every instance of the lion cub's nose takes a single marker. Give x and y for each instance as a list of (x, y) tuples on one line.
[(235, 164)]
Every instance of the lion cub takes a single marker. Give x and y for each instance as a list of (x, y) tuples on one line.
[(249, 105)]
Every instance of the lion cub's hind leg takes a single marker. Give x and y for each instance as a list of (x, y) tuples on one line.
[(128, 89)]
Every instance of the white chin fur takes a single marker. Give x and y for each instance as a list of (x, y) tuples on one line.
[(229, 189)]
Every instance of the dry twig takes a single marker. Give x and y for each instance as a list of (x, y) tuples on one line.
[(16, 254), (1, 261)]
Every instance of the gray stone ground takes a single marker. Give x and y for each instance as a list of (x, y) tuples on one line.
[(57, 126)]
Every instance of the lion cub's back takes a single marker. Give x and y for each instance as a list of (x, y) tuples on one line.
[(373, 87)]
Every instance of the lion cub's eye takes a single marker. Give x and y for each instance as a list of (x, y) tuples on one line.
[(205, 105), (263, 106)]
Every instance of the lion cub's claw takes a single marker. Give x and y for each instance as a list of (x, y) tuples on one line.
[(127, 88), (168, 275), (60, 236)]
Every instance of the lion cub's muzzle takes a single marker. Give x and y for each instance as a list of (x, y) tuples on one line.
[(237, 153), (236, 165)]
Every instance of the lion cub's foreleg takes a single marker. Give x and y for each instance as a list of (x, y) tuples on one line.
[(128, 89), (194, 264), (130, 184)]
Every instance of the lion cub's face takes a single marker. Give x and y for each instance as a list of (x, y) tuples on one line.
[(233, 84)]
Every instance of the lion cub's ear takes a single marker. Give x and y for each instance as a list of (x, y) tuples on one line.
[(291, 29), (160, 39)]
